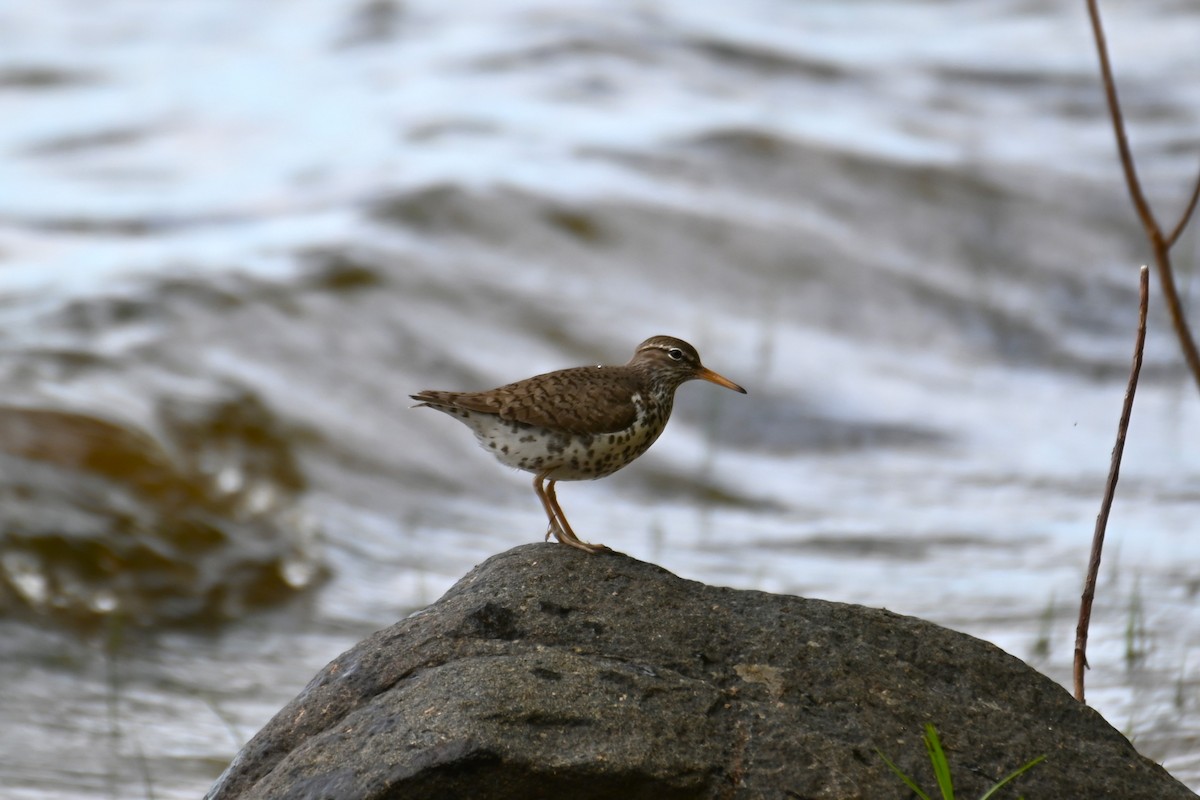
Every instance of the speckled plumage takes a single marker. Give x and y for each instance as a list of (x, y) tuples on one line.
[(580, 423)]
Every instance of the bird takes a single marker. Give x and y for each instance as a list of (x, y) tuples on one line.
[(580, 423)]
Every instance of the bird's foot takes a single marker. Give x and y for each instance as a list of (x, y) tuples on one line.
[(567, 536)]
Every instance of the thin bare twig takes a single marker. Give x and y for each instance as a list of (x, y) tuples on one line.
[(1159, 245), (1118, 122), (1186, 216), (1110, 488)]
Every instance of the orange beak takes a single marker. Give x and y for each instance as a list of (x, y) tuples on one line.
[(706, 374)]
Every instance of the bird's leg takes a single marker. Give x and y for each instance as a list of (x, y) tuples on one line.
[(559, 527), (553, 527), (564, 533)]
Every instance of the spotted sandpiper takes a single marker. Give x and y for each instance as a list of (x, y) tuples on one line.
[(581, 423)]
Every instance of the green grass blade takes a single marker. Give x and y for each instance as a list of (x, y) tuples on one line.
[(937, 757), (900, 774), (1014, 774)]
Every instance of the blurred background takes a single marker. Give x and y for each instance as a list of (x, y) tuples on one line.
[(235, 236)]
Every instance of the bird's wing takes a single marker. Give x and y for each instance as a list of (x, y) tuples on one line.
[(570, 399)]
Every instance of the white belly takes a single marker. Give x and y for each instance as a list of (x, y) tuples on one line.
[(568, 457)]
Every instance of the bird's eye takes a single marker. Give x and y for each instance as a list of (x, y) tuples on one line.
[(675, 354)]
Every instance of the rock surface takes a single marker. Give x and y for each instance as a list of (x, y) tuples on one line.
[(547, 672)]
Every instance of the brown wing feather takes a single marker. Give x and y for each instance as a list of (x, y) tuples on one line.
[(579, 400)]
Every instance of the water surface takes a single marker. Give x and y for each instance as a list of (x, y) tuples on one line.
[(899, 225)]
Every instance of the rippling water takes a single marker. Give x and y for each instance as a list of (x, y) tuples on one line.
[(900, 225)]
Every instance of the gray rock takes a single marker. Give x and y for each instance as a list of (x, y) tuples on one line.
[(547, 672)]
